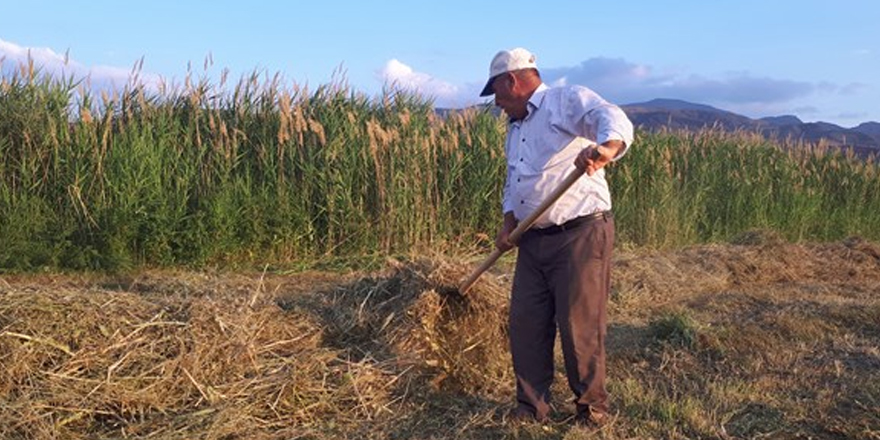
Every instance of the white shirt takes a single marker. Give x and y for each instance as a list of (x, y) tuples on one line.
[(540, 152)]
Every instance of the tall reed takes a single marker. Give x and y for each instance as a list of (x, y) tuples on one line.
[(266, 172), (681, 188)]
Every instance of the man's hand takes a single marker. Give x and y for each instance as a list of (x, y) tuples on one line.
[(593, 158), (502, 240)]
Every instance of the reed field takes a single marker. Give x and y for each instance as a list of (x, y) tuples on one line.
[(264, 261), (266, 172)]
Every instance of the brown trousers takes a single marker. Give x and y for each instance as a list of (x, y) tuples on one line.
[(562, 280)]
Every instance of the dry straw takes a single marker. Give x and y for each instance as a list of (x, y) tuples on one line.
[(414, 315), (396, 355), (197, 356)]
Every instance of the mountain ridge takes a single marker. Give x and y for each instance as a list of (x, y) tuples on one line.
[(676, 114), (656, 114)]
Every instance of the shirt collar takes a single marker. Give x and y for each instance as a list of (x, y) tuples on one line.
[(536, 100), (538, 96)]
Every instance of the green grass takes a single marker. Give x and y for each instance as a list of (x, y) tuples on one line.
[(262, 172), (675, 328)]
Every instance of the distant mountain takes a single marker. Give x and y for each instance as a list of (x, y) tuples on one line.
[(675, 104), (676, 115), (870, 128), (782, 120), (682, 115)]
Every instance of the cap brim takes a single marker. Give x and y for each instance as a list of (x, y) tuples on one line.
[(487, 90)]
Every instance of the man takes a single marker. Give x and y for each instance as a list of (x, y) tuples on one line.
[(563, 268)]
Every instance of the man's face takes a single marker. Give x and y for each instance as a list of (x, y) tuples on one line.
[(503, 92), (508, 97)]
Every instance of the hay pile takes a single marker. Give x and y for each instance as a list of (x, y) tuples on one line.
[(209, 356), (415, 316), (159, 360)]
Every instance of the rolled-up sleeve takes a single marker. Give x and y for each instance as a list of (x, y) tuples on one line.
[(597, 119), (542, 147)]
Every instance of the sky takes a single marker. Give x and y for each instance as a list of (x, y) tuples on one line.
[(817, 60)]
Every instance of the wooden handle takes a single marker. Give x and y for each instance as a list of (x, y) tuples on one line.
[(472, 278), (522, 227)]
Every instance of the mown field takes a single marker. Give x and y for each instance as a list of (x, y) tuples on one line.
[(265, 261), (756, 340)]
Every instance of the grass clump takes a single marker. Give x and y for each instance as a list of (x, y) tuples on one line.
[(675, 328)]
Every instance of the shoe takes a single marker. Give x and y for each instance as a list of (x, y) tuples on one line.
[(520, 416), (593, 421)]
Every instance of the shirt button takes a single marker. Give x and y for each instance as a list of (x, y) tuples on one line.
[(518, 179), (520, 159), (521, 202)]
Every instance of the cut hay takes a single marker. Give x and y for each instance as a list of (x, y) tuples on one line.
[(755, 258), (414, 315), (204, 356), (398, 354), (151, 362)]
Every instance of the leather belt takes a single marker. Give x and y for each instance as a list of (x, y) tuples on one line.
[(574, 223)]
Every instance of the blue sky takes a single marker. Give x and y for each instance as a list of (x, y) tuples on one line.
[(818, 60)]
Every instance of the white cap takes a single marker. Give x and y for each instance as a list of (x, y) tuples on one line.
[(508, 61)]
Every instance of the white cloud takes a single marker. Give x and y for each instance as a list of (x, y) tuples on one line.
[(624, 82), (41, 56), (400, 76), (53, 64)]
